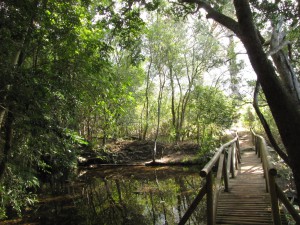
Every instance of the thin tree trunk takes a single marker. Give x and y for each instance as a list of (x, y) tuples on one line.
[(2, 114), (172, 98), (177, 127), (89, 129), (147, 101), (105, 127), (233, 69), (184, 98), (183, 110), (198, 130), (8, 130), (162, 80), (267, 127)]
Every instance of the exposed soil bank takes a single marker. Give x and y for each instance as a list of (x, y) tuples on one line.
[(136, 152)]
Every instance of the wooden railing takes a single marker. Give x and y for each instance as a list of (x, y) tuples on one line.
[(226, 158), (270, 173)]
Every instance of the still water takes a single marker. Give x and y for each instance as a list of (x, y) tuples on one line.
[(128, 195)]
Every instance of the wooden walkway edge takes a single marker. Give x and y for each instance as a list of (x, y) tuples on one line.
[(247, 201)]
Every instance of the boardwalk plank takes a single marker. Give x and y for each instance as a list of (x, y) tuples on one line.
[(247, 201)]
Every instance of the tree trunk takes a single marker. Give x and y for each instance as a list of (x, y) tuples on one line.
[(284, 106), (282, 63), (8, 142), (177, 118), (198, 131), (147, 101), (266, 126), (2, 114), (162, 81), (172, 99), (233, 69)]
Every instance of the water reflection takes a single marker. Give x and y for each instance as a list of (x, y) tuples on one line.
[(125, 195)]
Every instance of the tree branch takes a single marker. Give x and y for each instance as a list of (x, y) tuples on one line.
[(281, 61), (266, 126), (278, 48), (226, 21)]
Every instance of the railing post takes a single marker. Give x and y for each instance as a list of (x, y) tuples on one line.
[(237, 155), (262, 149), (238, 150), (253, 137), (210, 199), (274, 200), (257, 147), (229, 160), (217, 182), (233, 162), (225, 174)]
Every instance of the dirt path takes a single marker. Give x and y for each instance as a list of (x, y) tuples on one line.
[(245, 139)]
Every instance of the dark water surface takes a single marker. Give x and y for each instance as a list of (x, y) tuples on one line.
[(110, 195)]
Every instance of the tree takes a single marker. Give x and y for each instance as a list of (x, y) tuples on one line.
[(183, 60), (37, 66), (187, 71), (234, 67), (283, 102), (211, 112), (55, 65)]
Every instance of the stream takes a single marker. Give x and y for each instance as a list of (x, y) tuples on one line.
[(133, 195)]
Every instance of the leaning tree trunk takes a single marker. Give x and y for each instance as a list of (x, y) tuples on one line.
[(284, 105), (266, 126)]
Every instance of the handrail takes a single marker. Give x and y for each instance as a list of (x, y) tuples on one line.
[(227, 158), (271, 186), (208, 167)]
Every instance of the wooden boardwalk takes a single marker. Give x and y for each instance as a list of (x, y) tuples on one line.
[(247, 201)]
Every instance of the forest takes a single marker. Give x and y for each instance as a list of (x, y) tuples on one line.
[(79, 75)]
